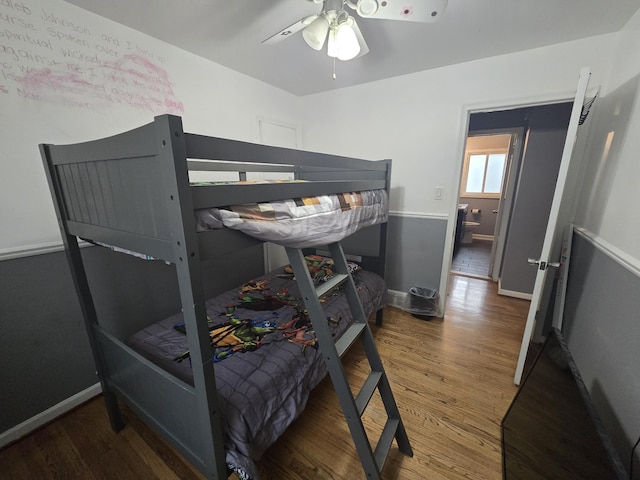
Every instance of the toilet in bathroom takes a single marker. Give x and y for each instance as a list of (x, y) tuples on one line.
[(468, 228)]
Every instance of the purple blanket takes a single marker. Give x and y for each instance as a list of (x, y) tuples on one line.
[(261, 392)]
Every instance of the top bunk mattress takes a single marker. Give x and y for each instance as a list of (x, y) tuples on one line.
[(301, 222)]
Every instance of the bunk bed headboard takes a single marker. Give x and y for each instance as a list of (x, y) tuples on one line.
[(122, 190)]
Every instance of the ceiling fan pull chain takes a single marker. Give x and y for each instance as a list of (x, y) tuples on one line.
[(334, 68)]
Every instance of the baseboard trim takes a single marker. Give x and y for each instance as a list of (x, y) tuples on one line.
[(512, 293), (480, 236), (471, 275), (395, 298), (28, 426)]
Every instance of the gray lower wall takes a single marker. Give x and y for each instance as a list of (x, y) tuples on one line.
[(44, 349), (414, 252), (602, 327), (44, 352)]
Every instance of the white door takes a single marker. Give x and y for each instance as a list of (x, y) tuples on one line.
[(556, 224), (506, 202)]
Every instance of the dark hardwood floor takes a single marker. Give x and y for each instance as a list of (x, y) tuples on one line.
[(452, 379), (472, 258)]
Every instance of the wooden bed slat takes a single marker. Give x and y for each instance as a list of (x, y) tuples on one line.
[(205, 196), (333, 175), (211, 148), (154, 247), (218, 166)]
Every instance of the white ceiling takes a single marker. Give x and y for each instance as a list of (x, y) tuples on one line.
[(230, 32)]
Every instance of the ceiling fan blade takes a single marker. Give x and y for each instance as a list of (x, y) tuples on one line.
[(427, 11), (290, 30)]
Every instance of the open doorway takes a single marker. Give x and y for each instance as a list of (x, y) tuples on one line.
[(487, 184), (486, 160), (526, 178)]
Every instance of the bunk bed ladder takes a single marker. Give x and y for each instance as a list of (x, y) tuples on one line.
[(353, 406)]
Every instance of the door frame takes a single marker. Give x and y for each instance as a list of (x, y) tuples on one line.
[(463, 127), (507, 191)]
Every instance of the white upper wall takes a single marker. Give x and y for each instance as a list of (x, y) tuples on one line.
[(608, 205), (419, 120), (626, 59), (67, 75)]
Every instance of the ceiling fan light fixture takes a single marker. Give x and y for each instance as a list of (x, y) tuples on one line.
[(343, 42), (367, 8), (315, 33), (332, 44)]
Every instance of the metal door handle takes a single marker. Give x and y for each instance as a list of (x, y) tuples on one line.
[(495, 211), (543, 265)]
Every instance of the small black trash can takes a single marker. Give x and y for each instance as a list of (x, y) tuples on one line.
[(422, 302)]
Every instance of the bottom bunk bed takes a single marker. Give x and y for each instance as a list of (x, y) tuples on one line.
[(266, 354)]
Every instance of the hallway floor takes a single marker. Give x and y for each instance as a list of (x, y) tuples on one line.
[(472, 258)]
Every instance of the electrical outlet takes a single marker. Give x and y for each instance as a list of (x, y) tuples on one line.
[(439, 192)]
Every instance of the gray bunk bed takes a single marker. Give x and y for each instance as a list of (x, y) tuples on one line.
[(132, 192)]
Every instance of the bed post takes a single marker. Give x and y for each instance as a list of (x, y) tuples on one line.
[(382, 253), (172, 157), (79, 277)]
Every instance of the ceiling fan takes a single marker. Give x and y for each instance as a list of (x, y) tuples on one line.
[(345, 40)]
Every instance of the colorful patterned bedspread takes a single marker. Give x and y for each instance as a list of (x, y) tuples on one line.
[(263, 389), (301, 222)]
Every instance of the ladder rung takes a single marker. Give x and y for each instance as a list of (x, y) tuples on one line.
[(350, 336), (335, 281), (384, 444), (366, 392)]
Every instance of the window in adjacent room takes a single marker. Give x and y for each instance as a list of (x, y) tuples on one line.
[(483, 172)]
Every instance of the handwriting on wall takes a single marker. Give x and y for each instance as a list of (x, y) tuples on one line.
[(48, 58)]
